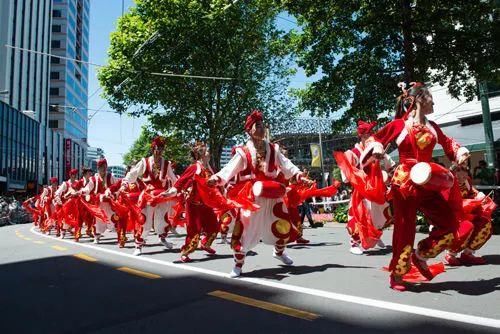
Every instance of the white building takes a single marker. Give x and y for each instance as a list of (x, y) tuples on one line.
[(94, 154), (117, 171)]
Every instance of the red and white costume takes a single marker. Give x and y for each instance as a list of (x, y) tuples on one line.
[(98, 188), (48, 206), (199, 217), (271, 222), (477, 208), (62, 194), (366, 218), (415, 144), (157, 178)]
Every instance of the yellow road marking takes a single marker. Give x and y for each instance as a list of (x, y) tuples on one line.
[(59, 248), (138, 272), (85, 257), (39, 242), (265, 305), (29, 239)]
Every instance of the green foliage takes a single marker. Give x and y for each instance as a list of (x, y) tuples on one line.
[(363, 48), (205, 38), (340, 214), (175, 150)]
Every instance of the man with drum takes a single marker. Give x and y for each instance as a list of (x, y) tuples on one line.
[(158, 177), (419, 184), (260, 162)]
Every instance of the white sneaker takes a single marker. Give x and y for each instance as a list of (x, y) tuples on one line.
[(356, 250), (380, 244), (174, 232), (137, 251), (96, 240), (283, 258), (236, 272), (62, 235), (168, 245), (223, 241)]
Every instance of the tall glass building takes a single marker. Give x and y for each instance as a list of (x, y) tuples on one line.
[(24, 93), (69, 79)]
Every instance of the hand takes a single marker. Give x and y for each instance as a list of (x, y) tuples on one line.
[(170, 192), (212, 181), (463, 158), (306, 181)]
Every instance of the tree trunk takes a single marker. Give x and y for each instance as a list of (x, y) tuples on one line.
[(215, 153), (408, 53)]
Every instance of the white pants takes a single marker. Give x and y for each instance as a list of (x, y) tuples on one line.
[(100, 226), (258, 225), (157, 215)]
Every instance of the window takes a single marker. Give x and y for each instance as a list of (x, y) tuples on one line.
[(78, 76), (56, 13), (54, 91), (55, 44), (55, 60), (54, 108), (54, 75), (53, 124), (56, 28)]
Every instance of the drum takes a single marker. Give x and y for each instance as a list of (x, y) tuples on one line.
[(431, 176), (268, 189)]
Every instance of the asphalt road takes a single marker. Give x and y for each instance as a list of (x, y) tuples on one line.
[(53, 286)]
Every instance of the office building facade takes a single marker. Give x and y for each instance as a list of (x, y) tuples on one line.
[(69, 78), (24, 88)]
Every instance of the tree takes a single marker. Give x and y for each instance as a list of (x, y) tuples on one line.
[(236, 40), (175, 150), (363, 48)]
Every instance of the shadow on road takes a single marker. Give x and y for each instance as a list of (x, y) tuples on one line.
[(282, 271), (64, 294), (470, 288)]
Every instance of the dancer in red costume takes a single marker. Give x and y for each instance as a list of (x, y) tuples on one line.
[(199, 217), (366, 218), (416, 137), (260, 162), (63, 194), (158, 177), (99, 188), (478, 208), (48, 207)]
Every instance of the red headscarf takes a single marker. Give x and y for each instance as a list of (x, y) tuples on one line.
[(158, 142), (54, 180), (102, 162), (73, 172), (365, 128), (254, 117)]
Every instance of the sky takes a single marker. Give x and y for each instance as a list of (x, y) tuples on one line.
[(113, 133)]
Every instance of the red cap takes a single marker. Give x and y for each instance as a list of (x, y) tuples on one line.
[(73, 172), (54, 180), (102, 162), (253, 118), (365, 128), (158, 142)]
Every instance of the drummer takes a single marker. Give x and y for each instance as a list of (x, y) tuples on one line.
[(260, 160), (158, 177), (416, 137)]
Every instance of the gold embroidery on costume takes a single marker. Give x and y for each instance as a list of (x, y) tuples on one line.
[(481, 237), (404, 264), (443, 243)]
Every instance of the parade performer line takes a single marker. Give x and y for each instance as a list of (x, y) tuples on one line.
[(380, 304)]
